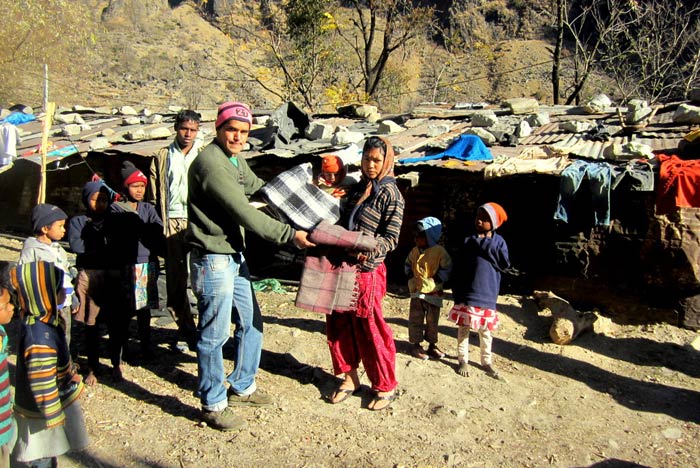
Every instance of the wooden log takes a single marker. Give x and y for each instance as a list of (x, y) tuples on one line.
[(568, 322)]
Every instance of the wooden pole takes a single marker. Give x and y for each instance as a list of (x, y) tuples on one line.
[(48, 120)]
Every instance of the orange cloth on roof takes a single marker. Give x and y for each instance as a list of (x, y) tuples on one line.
[(679, 184)]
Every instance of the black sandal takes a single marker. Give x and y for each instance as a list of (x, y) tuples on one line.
[(346, 394), (378, 398)]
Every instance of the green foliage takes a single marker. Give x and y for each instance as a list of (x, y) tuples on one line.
[(306, 19)]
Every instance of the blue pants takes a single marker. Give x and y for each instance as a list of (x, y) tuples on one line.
[(225, 296), (599, 175)]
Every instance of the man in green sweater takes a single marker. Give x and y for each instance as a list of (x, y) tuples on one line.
[(219, 183)]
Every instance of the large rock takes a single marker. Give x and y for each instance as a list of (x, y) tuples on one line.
[(687, 114), (127, 110), (637, 111), (538, 119), (343, 136), (319, 131)]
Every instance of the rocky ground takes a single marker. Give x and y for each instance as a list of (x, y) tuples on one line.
[(627, 397)]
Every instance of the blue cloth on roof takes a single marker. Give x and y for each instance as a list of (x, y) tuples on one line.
[(17, 118), (465, 148)]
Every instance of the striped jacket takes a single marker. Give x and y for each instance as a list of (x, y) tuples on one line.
[(5, 393), (44, 379), (380, 216)]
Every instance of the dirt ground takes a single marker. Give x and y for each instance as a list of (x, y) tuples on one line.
[(629, 397)]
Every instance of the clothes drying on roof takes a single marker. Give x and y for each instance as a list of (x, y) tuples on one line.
[(636, 176), (18, 118), (526, 164), (9, 139), (298, 201), (679, 184), (599, 175), (465, 148)]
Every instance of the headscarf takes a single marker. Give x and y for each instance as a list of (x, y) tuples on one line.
[(372, 185), (37, 285)]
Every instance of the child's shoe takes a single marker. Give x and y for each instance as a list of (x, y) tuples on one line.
[(434, 352), (418, 352)]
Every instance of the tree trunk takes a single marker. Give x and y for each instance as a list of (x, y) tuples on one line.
[(557, 51), (568, 322)]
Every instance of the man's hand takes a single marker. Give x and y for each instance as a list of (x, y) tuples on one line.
[(301, 241)]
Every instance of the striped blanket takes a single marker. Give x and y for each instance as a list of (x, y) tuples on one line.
[(298, 201), (328, 282)]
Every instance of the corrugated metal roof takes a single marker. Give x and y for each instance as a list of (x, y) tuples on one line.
[(662, 134)]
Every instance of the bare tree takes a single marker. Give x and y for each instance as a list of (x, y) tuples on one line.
[(297, 58), (661, 51), (650, 48), (380, 28)]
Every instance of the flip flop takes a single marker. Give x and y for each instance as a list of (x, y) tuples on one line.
[(346, 394), (378, 398)]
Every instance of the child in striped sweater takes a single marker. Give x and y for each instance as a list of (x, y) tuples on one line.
[(49, 418), (8, 429)]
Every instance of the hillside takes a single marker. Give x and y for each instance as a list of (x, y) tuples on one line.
[(157, 53)]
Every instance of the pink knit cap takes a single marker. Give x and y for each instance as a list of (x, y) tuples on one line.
[(233, 111)]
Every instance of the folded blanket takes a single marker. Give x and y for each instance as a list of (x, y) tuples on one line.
[(298, 201), (328, 282)]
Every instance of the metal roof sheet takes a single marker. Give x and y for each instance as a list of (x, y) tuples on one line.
[(662, 134)]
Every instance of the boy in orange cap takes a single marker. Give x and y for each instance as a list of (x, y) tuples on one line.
[(476, 281)]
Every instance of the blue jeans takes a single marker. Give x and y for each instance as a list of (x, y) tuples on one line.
[(224, 296), (600, 176)]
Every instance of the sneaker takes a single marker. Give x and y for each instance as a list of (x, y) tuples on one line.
[(257, 398), (435, 353), (223, 420), (419, 352)]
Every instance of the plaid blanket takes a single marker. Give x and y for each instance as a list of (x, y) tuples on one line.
[(298, 201), (329, 282)]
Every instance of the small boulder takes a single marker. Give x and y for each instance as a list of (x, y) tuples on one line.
[(484, 119), (597, 104), (389, 127), (522, 105), (487, 137), (127, 110)]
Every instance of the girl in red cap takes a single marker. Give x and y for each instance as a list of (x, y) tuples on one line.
[(135, 239), (476, 280)]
